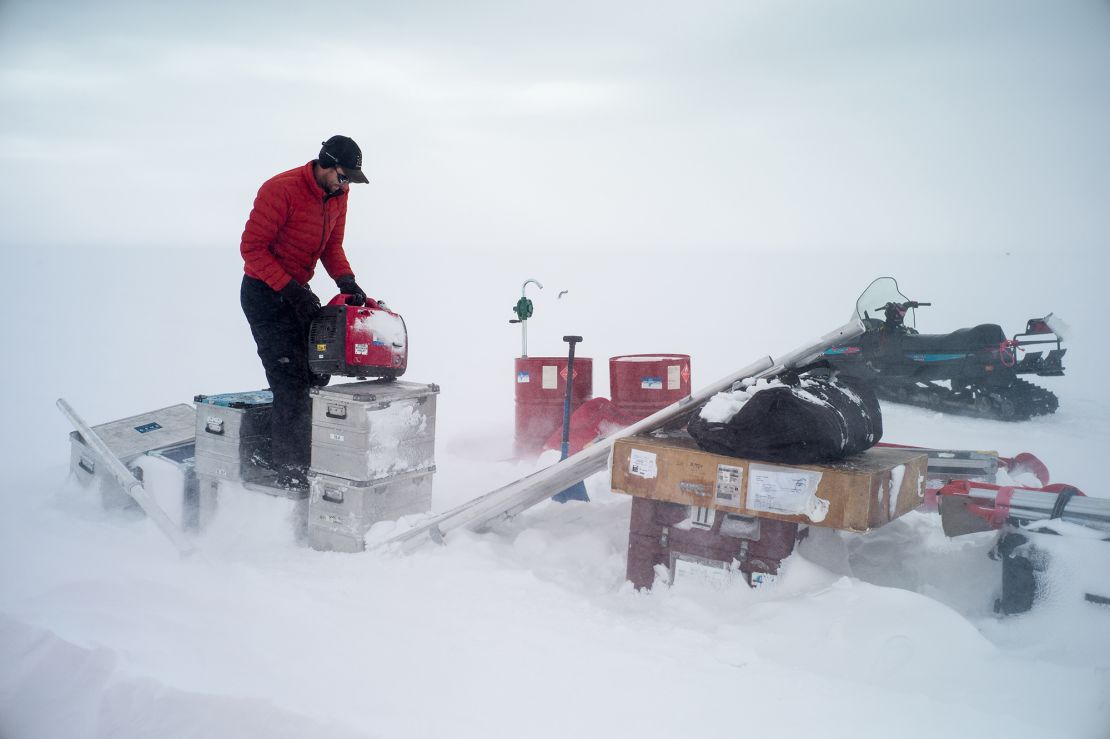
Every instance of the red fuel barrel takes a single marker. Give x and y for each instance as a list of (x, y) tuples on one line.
[(541, 388), (641, 384)]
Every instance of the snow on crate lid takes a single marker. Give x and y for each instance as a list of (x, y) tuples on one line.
[(247, 399)]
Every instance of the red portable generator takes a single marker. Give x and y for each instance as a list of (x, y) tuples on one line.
[(357, 341)]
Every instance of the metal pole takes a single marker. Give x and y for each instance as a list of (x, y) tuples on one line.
[(572, 340), (524, 323), (577, 491), (123, 476)]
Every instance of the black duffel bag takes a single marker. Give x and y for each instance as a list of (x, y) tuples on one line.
[(800, 420)]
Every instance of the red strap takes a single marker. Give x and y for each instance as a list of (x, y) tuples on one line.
[(1006, 353)]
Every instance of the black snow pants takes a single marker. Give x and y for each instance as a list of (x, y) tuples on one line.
[(283, 348)]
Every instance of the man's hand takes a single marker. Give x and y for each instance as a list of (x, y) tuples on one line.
[(302, 299), (348, 286)]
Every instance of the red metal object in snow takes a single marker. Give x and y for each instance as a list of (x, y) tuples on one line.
[(541, 386), (1026, 462), (947, 465), (996, 504), (663, 533), (641, 384), (593, 420)]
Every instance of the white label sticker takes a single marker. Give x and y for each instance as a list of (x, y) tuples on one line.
[(702, 518), (674, 377), (786, 491), (762, 579), (642, 464), (523, 377), (550, 377), (729, 479), (714, 574), (362, 349), (651, 383), (336, 437)]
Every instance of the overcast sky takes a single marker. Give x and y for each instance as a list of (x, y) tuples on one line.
[(605, 126)]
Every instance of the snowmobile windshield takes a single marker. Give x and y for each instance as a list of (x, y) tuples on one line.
[(873, 301)]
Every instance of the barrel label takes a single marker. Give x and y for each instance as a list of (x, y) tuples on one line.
[(523, 377), (674, 378), (550, 377), (651, 383)]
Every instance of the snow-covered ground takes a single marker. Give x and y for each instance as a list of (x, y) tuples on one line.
[(712, 178), (530, 630)]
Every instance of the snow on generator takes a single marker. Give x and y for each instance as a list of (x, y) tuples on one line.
[(971, 371), (357, 340)]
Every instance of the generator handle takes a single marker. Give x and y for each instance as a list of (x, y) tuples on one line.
[(341, 299)]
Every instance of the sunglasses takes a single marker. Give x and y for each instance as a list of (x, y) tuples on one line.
[(343, 179)]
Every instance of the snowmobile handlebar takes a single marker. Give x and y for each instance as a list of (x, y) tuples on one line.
[(904, 306)]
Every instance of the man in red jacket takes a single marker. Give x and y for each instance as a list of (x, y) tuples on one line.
[(297, 220)]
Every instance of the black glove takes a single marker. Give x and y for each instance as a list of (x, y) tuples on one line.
[(348, 286), (302, 299)]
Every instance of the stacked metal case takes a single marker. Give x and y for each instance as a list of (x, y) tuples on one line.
[(373, 457)]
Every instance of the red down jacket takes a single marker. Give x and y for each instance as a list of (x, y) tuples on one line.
[(291, 227)]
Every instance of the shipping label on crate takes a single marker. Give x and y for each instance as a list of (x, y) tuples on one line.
[(642, 464), (785, 491), (727, 489)]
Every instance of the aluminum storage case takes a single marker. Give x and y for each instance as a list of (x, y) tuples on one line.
[(233, 435), (341, 511), (364, 431), (196, 509), (130, 438)]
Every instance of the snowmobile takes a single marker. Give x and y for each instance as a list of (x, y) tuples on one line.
[(972, 371)]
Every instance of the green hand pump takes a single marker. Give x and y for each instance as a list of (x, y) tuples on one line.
[(523, 310)]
